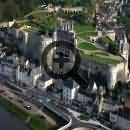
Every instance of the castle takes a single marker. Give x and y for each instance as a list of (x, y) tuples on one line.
[(103, 74)]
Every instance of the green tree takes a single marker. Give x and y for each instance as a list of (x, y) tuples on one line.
[(10, 10)]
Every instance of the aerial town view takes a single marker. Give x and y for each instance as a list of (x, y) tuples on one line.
[(64, 65)]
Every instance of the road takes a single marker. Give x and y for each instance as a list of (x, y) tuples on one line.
[(59, 108), (35, 97), (21, 103)]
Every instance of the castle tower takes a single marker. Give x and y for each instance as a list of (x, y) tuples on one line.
[(123, 47), (65, 33)]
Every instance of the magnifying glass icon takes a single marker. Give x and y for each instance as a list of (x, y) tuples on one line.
[(61, 60)]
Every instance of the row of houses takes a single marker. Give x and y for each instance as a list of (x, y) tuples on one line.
[(75, 96), (26, 74)]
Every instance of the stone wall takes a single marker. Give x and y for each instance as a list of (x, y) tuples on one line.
[(104, 74), (29, 44)]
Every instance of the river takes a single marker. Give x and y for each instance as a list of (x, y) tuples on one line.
[(8, 121)]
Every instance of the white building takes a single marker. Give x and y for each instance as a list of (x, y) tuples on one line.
[(8, 66), (72, 10), (66, 94), (69, 91), (24, 76), (27, 42), (73, 94), (43, 83)]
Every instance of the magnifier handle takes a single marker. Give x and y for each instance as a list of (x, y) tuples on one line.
[(79, 79)]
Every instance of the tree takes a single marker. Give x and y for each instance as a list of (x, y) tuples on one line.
[(113, 48), (10, 10)]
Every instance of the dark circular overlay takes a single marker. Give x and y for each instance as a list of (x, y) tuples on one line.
[(63, 73)]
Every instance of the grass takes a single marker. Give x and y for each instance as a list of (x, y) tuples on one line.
[(39, 21), (105, 41), (84, 27), (86, 34), (85, 30), (87, 46), (99, 59), (36, 122), (102, 53), (90, 52), (84, 117), (39, 123), (49, 21)]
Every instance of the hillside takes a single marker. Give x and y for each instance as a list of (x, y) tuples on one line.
[(11, 9)]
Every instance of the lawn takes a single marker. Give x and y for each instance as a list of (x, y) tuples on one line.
[(85, 30), (86, 34), (90, 52), (84, 27), (99, 59), (87, 46), (39, 123), (36, 122), (39, 21)]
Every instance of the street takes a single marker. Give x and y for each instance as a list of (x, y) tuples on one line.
[(34, 97)]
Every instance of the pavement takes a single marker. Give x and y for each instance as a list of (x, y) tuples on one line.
[(62, 110), (21, 103), (35, 97)]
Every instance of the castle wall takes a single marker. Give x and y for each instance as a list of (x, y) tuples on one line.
[(29, 44), (104, 74)]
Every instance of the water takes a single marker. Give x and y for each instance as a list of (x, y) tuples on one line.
[(8, 121)]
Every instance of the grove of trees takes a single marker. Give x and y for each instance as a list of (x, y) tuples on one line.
[(11, 9)]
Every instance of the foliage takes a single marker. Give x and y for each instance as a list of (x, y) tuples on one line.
[(125, 21), (105, 41), (11, 9), (113, 48), (84, 117), (109, 44), (87, 3), (36, 123)]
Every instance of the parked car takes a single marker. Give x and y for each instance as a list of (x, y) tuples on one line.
[(28, 107)]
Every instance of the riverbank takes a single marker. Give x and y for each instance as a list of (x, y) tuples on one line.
[(35, 122)]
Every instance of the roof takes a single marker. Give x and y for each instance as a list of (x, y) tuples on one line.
[(87, 93), (125, 112), (44, 78), (68, 83)]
